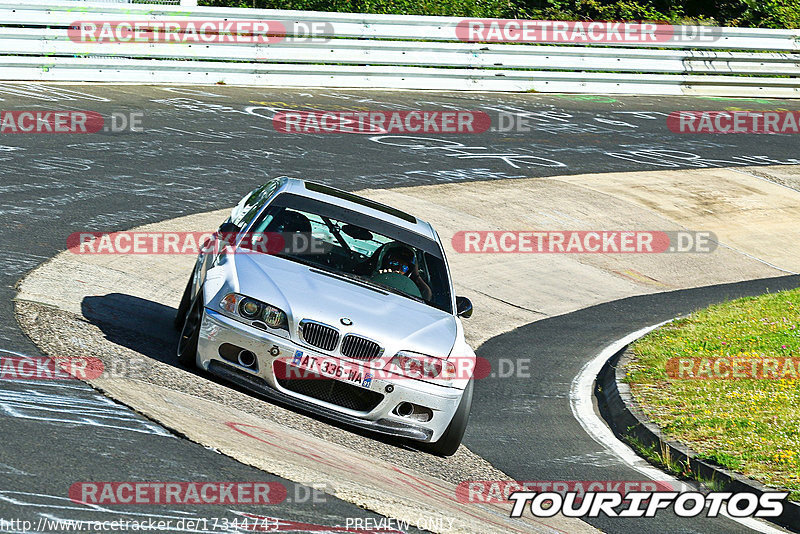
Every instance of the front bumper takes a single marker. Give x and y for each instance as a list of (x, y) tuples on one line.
[(384, 394)]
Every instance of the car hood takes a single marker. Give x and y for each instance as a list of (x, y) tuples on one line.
[(304, 292)]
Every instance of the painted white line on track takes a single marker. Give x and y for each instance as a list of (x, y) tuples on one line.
[(756, 258), (580, 400)]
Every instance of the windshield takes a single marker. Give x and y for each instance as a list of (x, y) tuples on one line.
[(361, 248)]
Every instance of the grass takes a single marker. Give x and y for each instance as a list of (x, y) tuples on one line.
[(663, 459), (751, 426)]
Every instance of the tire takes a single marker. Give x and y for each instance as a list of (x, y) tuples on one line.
[(448, 444), (183, 307), (190, 333)]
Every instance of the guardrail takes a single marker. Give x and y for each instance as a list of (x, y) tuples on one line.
[(390, 51), (174, 2)]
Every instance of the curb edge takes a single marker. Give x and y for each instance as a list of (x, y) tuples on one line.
[(626, 419)]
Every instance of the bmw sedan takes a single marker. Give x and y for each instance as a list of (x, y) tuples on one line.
[(336, 305)]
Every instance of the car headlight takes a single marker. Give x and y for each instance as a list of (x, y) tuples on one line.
[(254, 310), (250, 309), (422, 367)]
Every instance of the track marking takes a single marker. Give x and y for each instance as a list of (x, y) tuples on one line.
[(580, 400)]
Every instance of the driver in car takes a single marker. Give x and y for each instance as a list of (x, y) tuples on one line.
[(402, 261)]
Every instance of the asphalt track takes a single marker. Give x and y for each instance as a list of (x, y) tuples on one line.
[(203, 149)]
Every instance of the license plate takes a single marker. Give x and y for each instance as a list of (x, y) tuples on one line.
[(331, 368)]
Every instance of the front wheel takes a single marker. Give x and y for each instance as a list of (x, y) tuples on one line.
[(190, 334), (183, 307), (447, 445)]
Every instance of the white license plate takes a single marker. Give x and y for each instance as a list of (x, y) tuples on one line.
[(330, 368)]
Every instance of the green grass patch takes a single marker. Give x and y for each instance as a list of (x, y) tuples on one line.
[(751, 426), (664, 460), (755, 13)]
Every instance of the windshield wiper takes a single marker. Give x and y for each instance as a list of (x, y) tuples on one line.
[(357, 278), (395, 291), (403, 293), (303, 262), (377, 285), (352, 279)]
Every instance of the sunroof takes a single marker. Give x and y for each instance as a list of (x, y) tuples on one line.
[(344, 195)]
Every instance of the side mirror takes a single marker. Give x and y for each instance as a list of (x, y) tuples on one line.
[(227, 230), (463, 307)]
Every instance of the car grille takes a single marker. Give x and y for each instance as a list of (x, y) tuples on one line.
[(329, 390), (319, 335), (360, 348)]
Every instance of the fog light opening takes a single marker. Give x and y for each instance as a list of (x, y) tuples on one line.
[(247, 359), (413, 411), (404, 409)]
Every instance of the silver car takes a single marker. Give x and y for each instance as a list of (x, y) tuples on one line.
[(337, 305)]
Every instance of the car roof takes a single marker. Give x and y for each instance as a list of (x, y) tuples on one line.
[(357, 203)]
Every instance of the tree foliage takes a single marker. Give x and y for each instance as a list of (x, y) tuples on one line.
[(754, 13)]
